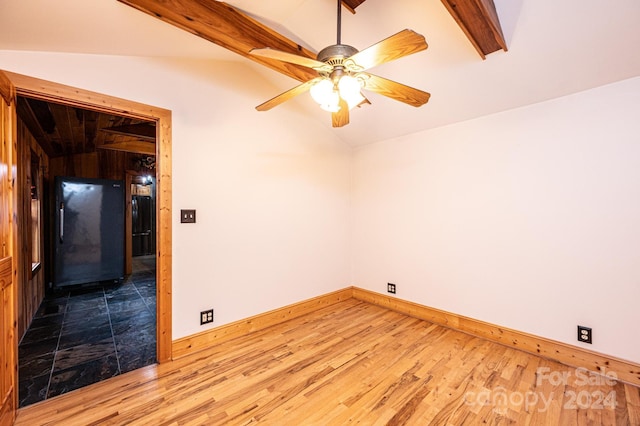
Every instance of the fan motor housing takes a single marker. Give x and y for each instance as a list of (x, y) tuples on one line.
[(335, 54)]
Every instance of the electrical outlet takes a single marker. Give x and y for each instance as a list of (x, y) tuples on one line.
[(391, 288), (206, 317), (187, 216), (584, 334)]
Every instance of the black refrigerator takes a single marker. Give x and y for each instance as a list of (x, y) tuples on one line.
[(89, 227), (142, 225)]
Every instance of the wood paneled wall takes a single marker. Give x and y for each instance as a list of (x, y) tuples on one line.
[(31, 287), (103, 164)]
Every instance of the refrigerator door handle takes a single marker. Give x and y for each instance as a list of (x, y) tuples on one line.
[(61, 223)]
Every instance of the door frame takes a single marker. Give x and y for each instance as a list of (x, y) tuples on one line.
[(54, 92)]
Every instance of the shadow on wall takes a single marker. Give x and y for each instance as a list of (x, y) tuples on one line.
[(508, 13)]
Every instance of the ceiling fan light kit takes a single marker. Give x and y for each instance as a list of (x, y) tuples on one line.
[(329, 90), (338, 80), (325, 94), (349, 88), (342, 77)]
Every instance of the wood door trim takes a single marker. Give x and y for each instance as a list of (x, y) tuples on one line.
[(7, 91), (59, 93), (5, 270)]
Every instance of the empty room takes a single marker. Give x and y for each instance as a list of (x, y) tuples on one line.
[(320, 212)]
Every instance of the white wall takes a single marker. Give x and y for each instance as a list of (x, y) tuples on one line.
[(272, 194), (529, 218)]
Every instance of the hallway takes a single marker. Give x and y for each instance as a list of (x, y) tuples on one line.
[(83, 335)]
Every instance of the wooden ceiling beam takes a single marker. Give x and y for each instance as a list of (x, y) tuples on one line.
[(28, 117), (478, 19), (226, 26), (352, 4), (144, 131), (133, 146), (229, 27)]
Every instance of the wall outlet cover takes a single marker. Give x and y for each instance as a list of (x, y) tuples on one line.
[(206, 317), (585, 334)]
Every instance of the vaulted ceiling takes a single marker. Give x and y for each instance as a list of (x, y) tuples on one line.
[(554, 48), (235, 30)]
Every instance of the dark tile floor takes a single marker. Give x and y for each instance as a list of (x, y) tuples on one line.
[(83, 335)]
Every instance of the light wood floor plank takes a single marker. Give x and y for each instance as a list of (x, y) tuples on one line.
[(351, 362)]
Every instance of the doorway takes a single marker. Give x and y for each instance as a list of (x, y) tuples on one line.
[(46, 91), (88, 333)]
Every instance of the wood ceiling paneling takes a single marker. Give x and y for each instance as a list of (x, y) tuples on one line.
[(63, 130)]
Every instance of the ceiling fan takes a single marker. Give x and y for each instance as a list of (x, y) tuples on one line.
[(341, 73)]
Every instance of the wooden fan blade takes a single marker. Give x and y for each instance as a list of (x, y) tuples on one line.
[(291, 58), (394, 90), (340, 118), (283, 97), (398, 45)]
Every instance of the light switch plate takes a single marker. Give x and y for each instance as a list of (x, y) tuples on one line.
[(187, 216)]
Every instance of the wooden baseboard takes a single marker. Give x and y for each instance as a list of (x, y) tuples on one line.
[(214, 336), (572, 356)]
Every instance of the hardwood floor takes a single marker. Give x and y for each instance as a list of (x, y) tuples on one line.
[(352, 362)]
